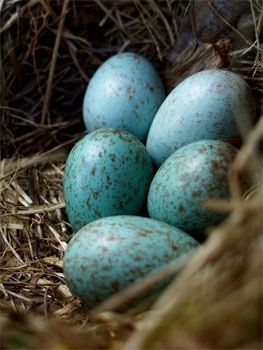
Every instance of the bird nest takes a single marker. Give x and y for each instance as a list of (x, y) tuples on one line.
[(50, 49)]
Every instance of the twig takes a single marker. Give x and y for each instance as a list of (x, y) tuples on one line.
[(45, 157), (14, 17), (40, 209), (233, 28), (243, 160), (3, 234), (54, 60), (167, 26), (256, 33), (140, 9)]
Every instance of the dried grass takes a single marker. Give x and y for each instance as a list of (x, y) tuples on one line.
[(50, 49)]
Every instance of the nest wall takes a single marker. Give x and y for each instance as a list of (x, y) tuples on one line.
[(49, 51)]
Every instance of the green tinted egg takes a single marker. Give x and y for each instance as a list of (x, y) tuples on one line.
[(186, 180), (107, 255), (107, 173), (213, 104), (124, 93)]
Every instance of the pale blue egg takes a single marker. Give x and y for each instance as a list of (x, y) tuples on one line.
[(108, 172), (212, 104), (186, 180), (124, 93), (107, 255)]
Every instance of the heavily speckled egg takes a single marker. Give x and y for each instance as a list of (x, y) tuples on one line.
[(211, 104), (108, 254), (124, 93), (189, 177), (107, 173)]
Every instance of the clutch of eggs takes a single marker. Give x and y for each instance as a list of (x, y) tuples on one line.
[(109, 172)]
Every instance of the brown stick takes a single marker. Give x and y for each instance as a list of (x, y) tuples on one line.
[(54, 60)]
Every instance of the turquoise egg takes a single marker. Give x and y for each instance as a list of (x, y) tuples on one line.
[(212, 104), (107, 255), (186, 180), (107, 173), (124, 93)]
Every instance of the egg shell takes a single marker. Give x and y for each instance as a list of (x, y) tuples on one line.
[(107, 173), (211, 104), (189, 177), (107, 255), (124, 93)]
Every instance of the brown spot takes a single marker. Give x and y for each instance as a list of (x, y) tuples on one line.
[(116, 132), (113, 157), (95, 194), (108, 179), (144, 232), (103, 248), (97, 213), (181, 208), (174, 247), (115, 286), (106, 268), (150, 87), (112, 238), (137, 257), (82, 268), (196, 193), (215, 166)]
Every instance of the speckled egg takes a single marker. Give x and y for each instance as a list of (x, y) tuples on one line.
[(107, 173), (212, 104), (107, 255), (124, 93), (189, 177)]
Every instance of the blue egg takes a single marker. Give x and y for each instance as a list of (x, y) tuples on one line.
[(186, 180), (107, 255), (107, 173), (212, 104), (124, 93)]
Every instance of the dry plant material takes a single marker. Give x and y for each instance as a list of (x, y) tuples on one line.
[(34, 332), (42, 41), (34, 235)]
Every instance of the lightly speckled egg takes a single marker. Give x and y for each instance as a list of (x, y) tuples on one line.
[(108, 254), (124, 93), (186, 180), (212, 104), (107, 173)]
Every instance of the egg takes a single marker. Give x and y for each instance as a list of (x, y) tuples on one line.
[(124, 93), (212, 104), (186, 180), (107, 173), (107, 255)]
